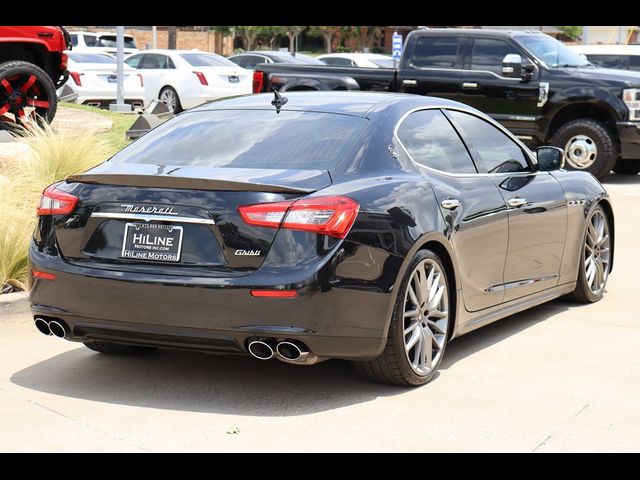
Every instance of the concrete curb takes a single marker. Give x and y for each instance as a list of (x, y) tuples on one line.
[(13, 303)]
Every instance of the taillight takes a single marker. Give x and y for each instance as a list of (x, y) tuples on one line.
[(202, 78), (76, 78), (141, 79), (56, 202), (64, 58), (43, 275), (332, 216), (258, 80)]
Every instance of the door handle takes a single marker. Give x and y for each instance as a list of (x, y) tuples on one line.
[(450, 203), (469, 84), (517, 202), (409, 81)]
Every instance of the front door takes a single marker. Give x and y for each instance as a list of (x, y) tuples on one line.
[(535, 202), (510, 101), (471, 205)]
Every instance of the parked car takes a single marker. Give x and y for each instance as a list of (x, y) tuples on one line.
[(250, 59), (363, 60), (361, 226), (622, 57), (182, 79), (531, 83), (94, 80), (102, 41), (33, 63)]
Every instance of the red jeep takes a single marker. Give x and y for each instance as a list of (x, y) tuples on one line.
[(32, 66)]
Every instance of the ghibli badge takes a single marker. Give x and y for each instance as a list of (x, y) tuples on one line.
[(248, 253)]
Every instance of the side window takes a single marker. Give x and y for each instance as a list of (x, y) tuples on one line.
[(431, 141), (436, 52), (167, 62), (609, 61), (487, 54), (74, 40), (134, 61), (494, 151), (250, 61), (634, 62)]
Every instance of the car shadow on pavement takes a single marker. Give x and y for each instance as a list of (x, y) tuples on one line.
[(239, 385), (615, 179)]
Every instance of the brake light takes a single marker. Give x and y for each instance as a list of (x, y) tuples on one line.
[(76, 78), (64, 58), (56, 202), (274, 293), (202, 78), (258, 81), (141, 79), (332, 216)]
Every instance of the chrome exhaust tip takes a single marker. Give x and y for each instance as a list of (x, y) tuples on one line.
[(57, 329), (289, 350), (261, 350), (43, 326)]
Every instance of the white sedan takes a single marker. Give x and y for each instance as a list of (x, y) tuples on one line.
[(363, 60), (182, 79), (92, 77)]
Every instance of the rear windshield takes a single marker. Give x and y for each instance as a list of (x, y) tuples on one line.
[(247, 139), (91, 58), (111, 41), (207, 60)]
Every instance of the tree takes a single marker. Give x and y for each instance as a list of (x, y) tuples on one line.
[(172, 38), (246, 33), (327, 34), (270, 34), (574, 33), (292, 33)]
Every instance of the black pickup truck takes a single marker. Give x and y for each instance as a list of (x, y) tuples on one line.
[(531, 83)]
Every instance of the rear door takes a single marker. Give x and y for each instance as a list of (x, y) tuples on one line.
[(471, 204), (510, 101), (535, 202), (432, 66)]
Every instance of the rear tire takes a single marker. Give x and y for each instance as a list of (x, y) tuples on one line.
[(111, 348), (37, 102), (400, 363), (581, 137), (627, 167), (170, 98)]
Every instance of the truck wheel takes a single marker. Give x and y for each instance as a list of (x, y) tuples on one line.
[(627, 167), (27, 94), (588, 146)]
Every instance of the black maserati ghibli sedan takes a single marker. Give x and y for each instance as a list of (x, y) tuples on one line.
[(372, 227)]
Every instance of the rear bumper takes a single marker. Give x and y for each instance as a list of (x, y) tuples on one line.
[(212, 315), (629, 134)]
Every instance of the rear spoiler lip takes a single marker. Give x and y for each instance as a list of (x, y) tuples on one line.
[(186, 183)]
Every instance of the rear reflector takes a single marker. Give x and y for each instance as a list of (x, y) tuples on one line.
[(56, 202), (76, 78), (332, 216), (258, 79), (43, 275), (274, 293), (202, 78)]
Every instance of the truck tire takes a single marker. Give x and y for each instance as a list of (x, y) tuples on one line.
[(627, 167), (27, 94), (588, 146)]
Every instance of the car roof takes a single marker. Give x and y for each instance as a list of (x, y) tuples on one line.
[(113, 34), (167, 51), (356, 55), (475, 32), (608, 49), (354, 103), (93, 34)]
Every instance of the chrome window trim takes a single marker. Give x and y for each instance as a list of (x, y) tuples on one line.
[(150, 217), (475, 114)]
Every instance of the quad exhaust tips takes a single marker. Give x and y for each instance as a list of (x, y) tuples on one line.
[(51, 327), (288, 351)]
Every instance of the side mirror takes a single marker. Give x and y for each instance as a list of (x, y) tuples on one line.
[(512, 66), (550, 158)]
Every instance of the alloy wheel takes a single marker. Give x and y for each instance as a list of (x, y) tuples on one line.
[(426, 317), (597, 252), (23, 97), (168, 97)]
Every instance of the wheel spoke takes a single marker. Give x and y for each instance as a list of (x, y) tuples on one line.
[(28, 84), (21, 115), (599, 274), (427, 349), (433, 314), (411, 328), (416, 335), (421, 285), (412, 295), (32, 102), (4, 109), (591, 271), (7, 86), (411, 313), (439, 327), (436, 297)]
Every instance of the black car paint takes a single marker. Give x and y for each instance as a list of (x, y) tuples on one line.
[(347, 287), (574, 93)]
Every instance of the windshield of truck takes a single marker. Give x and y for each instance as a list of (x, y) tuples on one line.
[(552, 52)]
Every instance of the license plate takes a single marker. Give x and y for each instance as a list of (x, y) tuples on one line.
[(234, 79), (112, 78), (152, 242)]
